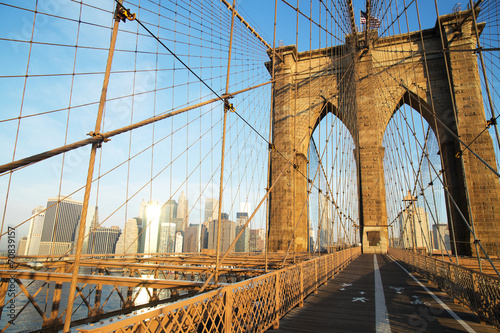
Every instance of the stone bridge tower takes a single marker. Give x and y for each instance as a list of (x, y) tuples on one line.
[(364, 83)]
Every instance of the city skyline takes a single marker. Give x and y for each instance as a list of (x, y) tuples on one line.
[(156, 229)]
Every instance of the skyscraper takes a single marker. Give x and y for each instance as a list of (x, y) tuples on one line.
[(441, 237), (179, 242), (257, 240), (22, 246), (150, 219), (168, 227), (182, 211), (103, 240), (166, 239), (243, 243), (211, 209), (324, 222), (128, 241), (241, 219), (195, 238), (228, 230), (35, 231), (414, 228), (61, 226)]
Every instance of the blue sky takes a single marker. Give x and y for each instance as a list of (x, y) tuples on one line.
[(32, 186)]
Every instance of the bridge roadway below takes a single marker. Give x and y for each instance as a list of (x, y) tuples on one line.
[(376, 294)]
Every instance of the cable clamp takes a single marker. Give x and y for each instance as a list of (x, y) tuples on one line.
[(296, 166), (99, 136), (272, 147), (123, 14), (228, 106), (477, 241), (458, 154), (492, 121)]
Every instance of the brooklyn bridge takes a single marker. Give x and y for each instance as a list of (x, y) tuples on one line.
[(249, 166)]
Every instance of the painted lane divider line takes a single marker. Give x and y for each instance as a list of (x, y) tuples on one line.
[(382, 324), (444, 306)]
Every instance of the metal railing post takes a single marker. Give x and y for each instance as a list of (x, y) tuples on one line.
[(228, 311), (277, 306), (301, 278)]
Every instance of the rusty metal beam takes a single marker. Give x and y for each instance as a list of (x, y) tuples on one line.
[(102, 279), (242, 20)]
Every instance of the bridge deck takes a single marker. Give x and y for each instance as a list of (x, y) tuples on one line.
[(363, 298)]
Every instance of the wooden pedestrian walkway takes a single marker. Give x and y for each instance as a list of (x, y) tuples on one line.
[(376, 294)]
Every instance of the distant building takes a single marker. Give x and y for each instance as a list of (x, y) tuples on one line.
[(227, 234), (243, 243), (22, 246), (441, 237), (182, 212), (211, 209), (257, 240), (195, 238), (325, 219), (128, 242), (312, 239), (179, 242), (241, 219), (415, 228), (61, 226), (149, 214), (167, 238), (35, 231), (169, 211), (103, 240)]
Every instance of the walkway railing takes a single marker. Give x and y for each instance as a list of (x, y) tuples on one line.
[(478, 291), (249, 306)]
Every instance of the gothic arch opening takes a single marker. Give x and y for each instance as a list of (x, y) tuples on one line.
[(414, 181), (333, 184)]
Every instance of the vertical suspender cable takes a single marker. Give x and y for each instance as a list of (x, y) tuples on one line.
[(83, 219), (226, 109)]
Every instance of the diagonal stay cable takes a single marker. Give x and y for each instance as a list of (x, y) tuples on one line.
[(224, 100)]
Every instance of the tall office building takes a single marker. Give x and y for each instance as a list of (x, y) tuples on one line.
[(211, 209), (61, 226), (166, 239), (324, 222), (257, 240), (35, 231), (150, 219), (179, 242), (195, 238), (228, 230), (182, 212), (168, 227), (441, 237), (168, 211), (128, 242), (414, 228), (22, 246), (243, 243), (241, 218), (103, 240)]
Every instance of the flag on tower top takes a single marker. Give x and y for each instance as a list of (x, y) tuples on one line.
[(374, 22)]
